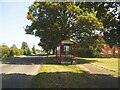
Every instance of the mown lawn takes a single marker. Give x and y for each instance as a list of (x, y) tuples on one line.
[(108, 63), (70, 76)]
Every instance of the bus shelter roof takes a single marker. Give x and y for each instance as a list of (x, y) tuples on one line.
[(69, 41)]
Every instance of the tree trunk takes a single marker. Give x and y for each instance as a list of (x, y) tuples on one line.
[(56, 54), (53, 51), (47, 54)]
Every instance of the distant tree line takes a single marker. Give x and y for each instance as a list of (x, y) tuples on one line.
[(8, 52)]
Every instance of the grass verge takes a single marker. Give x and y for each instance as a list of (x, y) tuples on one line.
[(70, 76), (108, 63)]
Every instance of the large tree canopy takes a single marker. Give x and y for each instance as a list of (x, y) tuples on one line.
[(57, 21), (109, 14)]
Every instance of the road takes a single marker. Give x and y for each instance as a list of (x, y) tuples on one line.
[(18, 73)]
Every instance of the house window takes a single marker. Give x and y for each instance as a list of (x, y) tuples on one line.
[(109, 52), (116, 51)]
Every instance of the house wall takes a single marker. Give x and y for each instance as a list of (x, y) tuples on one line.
[(111, 52)]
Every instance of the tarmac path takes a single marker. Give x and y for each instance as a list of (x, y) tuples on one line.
[(18, 73)]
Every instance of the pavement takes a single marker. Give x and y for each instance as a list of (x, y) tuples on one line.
[(20, 69), (93, 69), (18, 72)]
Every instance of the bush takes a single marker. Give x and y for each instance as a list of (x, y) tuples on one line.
[(24, 52), (86, 52), (38, 51), (5, 52), (11, 52), (33, 50), (28, 52), (16, 51)]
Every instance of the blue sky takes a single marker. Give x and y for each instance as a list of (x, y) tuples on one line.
[(12, 21)]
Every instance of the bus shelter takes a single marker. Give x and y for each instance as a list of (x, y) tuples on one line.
[(66, 51)]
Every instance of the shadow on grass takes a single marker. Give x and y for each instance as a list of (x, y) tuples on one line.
[(84, 61), (59, 80), (74, 80)]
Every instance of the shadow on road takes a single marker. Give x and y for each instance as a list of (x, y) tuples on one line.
[(37, 55), (59, 80), (16, 80), (52, 60), (40, 58), (28, 60)]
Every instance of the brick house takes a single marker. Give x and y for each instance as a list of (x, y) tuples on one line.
[(109, 52)]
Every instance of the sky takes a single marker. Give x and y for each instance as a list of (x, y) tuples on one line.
[(12, 23)]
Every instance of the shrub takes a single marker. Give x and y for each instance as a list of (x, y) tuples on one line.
[(11, 52), (33, 50), (28, 52), (5, 52), (24, 52), (86, 52)]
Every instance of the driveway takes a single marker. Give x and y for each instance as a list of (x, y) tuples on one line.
[(18, 73)]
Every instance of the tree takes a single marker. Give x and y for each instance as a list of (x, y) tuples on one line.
[(14, 46), (4, 45), (24, 45), (90, 45), (112, 35), (33, 49), (109, 15), (54, 22), (28, 51)]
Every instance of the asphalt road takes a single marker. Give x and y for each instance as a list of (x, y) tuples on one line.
[(18, 73)]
